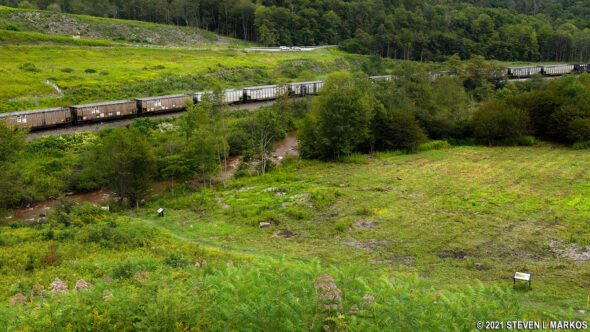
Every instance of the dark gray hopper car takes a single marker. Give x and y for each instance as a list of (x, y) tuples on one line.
[(162, 103), (582, 68), (43, 118), (103, 111)]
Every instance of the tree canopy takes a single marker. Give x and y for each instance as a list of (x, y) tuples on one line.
[(529, 30)]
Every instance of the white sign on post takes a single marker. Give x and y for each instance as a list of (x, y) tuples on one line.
[(522, 276)]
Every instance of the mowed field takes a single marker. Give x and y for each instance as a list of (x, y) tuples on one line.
[(451, 216), (94, 73)]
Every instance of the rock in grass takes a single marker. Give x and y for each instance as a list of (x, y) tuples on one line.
[(264, 224)]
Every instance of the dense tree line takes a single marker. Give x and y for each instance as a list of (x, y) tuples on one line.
[(529, 30), (353, 115), (556, 110)]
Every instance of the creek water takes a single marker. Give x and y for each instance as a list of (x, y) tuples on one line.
[(40, 209)]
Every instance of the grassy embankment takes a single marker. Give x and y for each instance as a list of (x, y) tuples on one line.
[(87, 74), (90, 27)]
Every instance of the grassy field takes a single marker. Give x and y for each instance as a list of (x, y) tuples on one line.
[(93, 73), (451, 216), (433, 238)]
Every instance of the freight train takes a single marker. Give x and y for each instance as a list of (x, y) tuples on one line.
[(105, 111)]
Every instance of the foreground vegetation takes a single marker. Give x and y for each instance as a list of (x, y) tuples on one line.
[(451, 216), (129, 276)]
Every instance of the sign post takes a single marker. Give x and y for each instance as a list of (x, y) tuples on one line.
[(522, 276)]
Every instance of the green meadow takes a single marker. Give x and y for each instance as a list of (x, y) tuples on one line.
[(451, 216), (419, 241)]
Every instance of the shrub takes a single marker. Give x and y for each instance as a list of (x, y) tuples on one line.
[(176, 260), (124, 270), (12, 27), (54, 7), (323, 197), (90, 71), (581, 145), (17, 224), (298, 212), (29, 67), (396, 129), (342, 226), (289, 160), (67, 70), (579, 130), (566, 120), (497, 122), (526, 141), (433, 145)]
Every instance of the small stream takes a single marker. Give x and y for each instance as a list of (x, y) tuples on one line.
[(32, 212)]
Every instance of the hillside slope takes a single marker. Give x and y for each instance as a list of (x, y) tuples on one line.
[(105, 28)]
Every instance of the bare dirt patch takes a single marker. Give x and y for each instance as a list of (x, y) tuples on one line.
[(370, 245), (364, 224), (395, 258), (283, 234), (571, 251), (454, 253)]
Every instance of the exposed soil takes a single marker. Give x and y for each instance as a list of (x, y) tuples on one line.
[(286, 146), (370, 245), (71, 25), (456, 254), (284, 234), (364, 224), (571, 251)]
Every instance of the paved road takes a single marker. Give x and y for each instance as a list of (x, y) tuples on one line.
[(124, 122)]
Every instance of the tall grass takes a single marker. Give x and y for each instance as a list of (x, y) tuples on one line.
[(136, 278)]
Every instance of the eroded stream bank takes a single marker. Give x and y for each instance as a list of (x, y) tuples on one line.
[(34, 211)]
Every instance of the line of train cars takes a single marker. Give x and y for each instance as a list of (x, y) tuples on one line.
[(105, 111), (547, 70)]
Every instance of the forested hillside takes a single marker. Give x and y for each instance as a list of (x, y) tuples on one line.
[(529, 30)]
